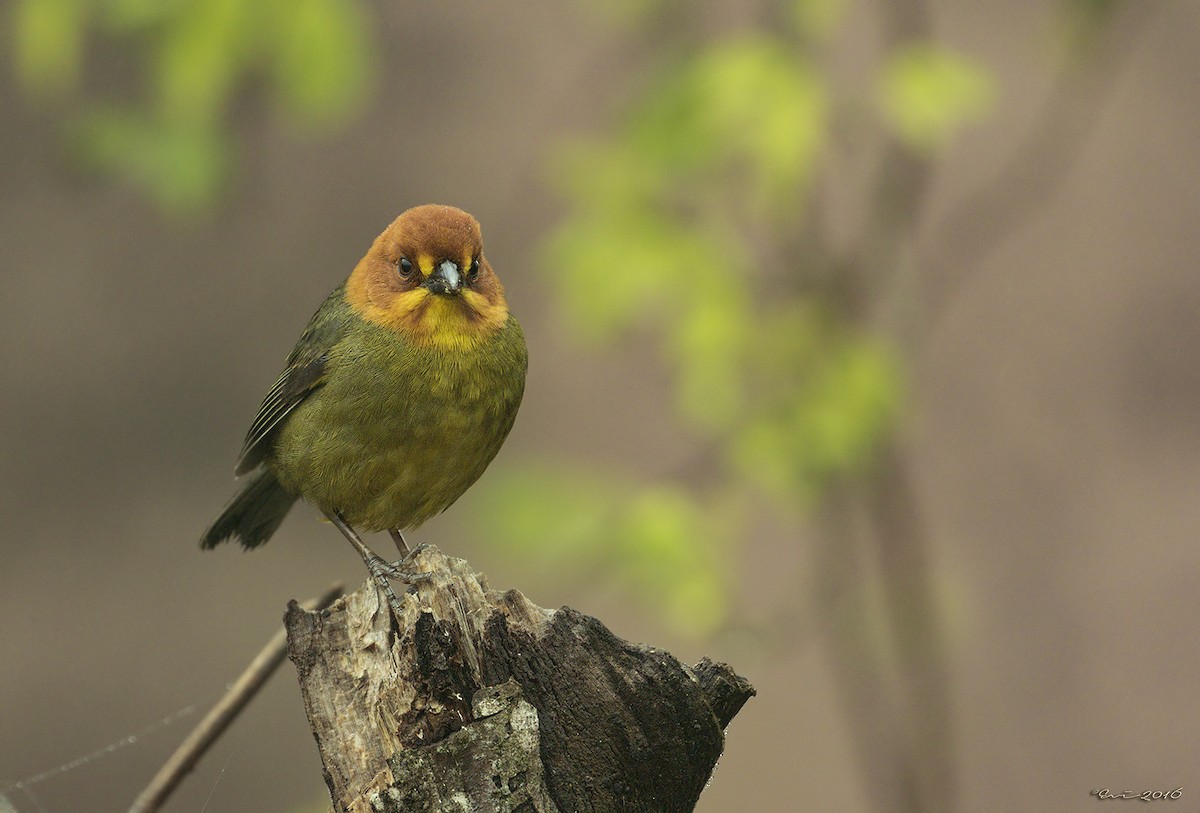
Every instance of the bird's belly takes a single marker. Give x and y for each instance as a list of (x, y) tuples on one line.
[(391, 460)]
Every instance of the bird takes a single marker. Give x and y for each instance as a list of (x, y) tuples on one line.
[(396, 397)]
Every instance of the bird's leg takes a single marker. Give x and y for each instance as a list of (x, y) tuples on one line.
[(381, 570), (401, 545)]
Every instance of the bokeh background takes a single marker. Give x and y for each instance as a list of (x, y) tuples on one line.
[(864, 357)]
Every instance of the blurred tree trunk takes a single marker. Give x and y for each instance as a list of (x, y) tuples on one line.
[(469, 699), (877, 601)]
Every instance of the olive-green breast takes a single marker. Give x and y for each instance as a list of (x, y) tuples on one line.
[(397, 432)]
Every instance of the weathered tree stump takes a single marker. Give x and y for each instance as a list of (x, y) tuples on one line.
[(469, 699)]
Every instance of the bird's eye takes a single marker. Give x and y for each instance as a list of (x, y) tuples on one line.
[(473, 271), (405, 267)]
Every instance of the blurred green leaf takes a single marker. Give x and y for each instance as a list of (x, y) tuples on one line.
[(929, 93), (607, 178), (838, 412), (199, 57), (321, 66), (47, 39), (135, 15), (555, 515), (194, 56), (614, 266), (661, 541), (818, 18), (180, 166), (748, 105), (680, 228), (668, 550), (708, 346), (851, 403)]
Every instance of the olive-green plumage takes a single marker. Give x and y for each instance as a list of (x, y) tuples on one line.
[(397, 432), (373, 425)]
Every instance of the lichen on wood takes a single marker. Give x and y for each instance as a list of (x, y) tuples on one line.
[(468, 699)]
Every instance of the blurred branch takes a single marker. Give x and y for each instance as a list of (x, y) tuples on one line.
[(895, 690), (222, 714), (844, 602), (818, 416), (913, 768), (1036, 168), (899, 191), (911, 596)]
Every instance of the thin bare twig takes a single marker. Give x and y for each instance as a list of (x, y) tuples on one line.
[(222, 714)]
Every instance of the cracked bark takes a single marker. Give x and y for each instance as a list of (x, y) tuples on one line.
[(469, 699)]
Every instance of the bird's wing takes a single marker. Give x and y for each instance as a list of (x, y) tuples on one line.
[(303, 373)]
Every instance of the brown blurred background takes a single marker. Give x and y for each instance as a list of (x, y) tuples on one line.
[(1052, 441)]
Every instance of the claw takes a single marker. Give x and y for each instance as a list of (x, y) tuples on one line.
[(380, 569), (395, 570), (385, 584)]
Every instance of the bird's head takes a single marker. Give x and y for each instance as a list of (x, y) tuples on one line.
[(426, 277)]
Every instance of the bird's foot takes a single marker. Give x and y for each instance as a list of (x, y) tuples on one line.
[(381, 572), (381, 568)]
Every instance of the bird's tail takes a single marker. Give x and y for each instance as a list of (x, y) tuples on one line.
[(253, 515)]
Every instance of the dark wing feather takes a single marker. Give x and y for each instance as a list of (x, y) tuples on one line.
[(303, 373)]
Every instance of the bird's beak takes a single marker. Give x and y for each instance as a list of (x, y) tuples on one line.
[(445, 279)]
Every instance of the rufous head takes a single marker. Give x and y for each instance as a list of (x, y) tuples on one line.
[(426, 277)]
